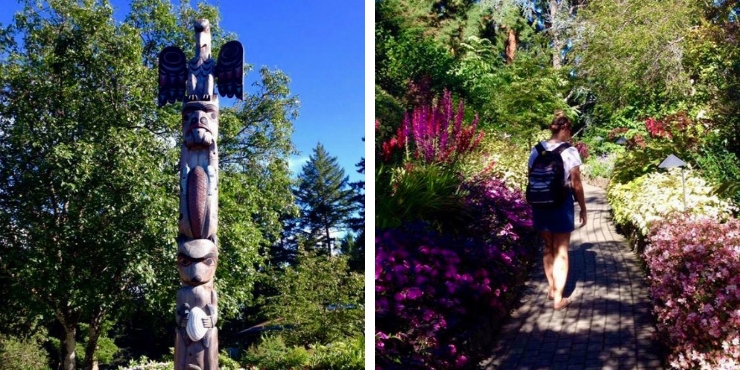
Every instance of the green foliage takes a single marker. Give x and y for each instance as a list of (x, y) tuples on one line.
[(631, 52), (318, 298), (273, 353), (105, 353), (227, 363), (523, 96), (144, 363), (416, 192), (388, 114), (599, 167), (478, 61), (498, 156), (651, 197), (82, 173), (347, 354), (410, 57), (23, 354), (719, 166), (634, 164), (712, 57)]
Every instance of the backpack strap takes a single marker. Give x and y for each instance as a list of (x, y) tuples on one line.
[(561, 147), (540, 149)]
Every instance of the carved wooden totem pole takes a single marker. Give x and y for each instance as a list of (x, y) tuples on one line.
[(192, 82)]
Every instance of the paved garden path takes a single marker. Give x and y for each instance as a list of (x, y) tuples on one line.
[(609, 323)]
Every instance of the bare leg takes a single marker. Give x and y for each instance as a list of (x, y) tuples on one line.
[(560, 265), (547, 259)]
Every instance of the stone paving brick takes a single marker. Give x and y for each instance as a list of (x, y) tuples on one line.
[(609, 325)]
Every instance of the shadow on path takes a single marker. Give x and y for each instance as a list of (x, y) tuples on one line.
[(609, 324)]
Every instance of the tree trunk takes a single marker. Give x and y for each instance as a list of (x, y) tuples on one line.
[(68, 351), (557, 44), (93, 335), (510, 46), (328, 240)]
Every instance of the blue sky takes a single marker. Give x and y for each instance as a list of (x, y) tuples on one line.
[(319, 45)]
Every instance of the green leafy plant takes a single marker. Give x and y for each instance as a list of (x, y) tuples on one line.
[(417, 192), (318, 298), (498, 156), (144, 363), (346, 354), (652, 197), (23, 354), (273, 353)]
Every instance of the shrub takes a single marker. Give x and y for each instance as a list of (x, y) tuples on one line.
[(144, 363), (434, 291), (695, 286), (346, 354), (272, 353), (600, 167), (652, 197), (498, 156), (22, 354), (428, 193), (582, 148), (320, 298)]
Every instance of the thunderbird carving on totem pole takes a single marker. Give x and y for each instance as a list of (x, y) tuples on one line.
[(192, 82)]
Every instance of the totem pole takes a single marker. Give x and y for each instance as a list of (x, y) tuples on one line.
[(192, 82)]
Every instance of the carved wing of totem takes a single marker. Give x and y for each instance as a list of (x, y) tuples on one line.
[(173, 73), (230, 70)]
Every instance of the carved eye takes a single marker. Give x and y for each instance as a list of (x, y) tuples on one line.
[(183, 261), (213, 115), (209, 261), (203, 120)]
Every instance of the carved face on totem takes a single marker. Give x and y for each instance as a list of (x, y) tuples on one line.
[(196, 261), (202, 38), (199, 124)]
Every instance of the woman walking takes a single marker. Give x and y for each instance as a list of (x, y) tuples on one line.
[(555, 220)]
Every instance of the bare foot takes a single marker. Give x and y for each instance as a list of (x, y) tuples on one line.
[(562, 304)]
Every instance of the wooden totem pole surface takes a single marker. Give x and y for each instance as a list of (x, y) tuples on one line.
[(192, 82)]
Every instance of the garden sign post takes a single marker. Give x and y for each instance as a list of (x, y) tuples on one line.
[(192, 82)]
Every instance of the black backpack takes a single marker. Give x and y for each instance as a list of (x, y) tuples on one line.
[(546, 187)]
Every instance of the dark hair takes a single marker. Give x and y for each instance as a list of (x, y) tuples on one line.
[(560, 122)]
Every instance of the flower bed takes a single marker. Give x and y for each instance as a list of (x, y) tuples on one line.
[(434, 292), (650, 198), (695, 286)]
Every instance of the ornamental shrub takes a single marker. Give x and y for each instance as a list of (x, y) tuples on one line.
[(273, 353), (498, 156), (425, 192), (652, 197), (599, 167), (22, 354), (695, 286), (434, 291)]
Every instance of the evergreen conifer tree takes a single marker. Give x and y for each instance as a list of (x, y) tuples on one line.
[(325, 198)]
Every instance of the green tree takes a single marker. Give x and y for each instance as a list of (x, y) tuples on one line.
[(324, 197), (631, 52), (85, 199), (320, 298)]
